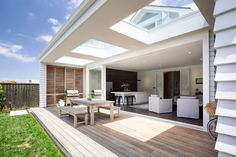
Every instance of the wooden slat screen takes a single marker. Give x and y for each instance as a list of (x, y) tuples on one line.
[(60, 79)]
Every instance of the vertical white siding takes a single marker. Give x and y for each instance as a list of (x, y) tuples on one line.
[(43, 85), (225, 61)]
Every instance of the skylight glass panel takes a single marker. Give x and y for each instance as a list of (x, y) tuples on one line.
[(160, 12), (73, 61), (99, 49)]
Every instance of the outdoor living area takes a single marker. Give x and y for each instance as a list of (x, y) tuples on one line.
[(126, 136), (165, 84)]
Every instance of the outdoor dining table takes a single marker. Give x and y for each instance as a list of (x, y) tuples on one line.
[(93, 104)]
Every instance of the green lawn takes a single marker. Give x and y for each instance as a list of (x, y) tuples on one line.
[(23, 136)]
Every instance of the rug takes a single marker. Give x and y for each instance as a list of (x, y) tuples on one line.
[(141, 106)]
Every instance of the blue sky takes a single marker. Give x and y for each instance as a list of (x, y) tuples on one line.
[(25, 29)]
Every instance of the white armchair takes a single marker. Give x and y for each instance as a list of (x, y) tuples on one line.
[(188, 108), (158, 105)]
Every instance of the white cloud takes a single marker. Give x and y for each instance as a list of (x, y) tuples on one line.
[(72, 4), (53, 21), (22, 35), (12, 51), (30, 14), (67, 16), (45, 38), (56, 25)]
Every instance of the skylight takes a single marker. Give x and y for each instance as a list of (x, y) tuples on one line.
[(73, 61), (98, 49), (160, 12), (161, 20)]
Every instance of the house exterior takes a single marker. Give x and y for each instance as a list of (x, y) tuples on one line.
[(142, 31)]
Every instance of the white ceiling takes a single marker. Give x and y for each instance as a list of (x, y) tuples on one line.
[(97, 27), (167, 58)]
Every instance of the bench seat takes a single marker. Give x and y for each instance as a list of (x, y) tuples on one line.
[(115, 108), (75, 112)]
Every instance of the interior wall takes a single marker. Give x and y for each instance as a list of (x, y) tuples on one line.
[(60, 79), (196, 72), (147, 79)]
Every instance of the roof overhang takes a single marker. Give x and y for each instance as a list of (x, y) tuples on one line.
[(206, 8), (93, 20)]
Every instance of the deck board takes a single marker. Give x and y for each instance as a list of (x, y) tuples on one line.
[(129, 136), (75, 142)]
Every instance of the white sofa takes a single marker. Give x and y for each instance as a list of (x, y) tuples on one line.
[(188, 107), (158, 105)]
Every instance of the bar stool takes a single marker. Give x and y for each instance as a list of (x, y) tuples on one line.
[(118, 99), (133, 99), (126, 99)]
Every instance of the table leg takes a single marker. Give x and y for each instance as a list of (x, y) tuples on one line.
[(75, 121), (91, 115), (111, 111)]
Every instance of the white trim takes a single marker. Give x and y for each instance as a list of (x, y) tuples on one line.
[(206, 74), (84, 82), (103, 82)]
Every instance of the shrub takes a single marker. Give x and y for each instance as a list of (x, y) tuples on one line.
[(3, 107)]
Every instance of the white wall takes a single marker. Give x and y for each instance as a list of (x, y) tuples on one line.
[(148, 78), (148, 81), (43, 85), (196, 72)]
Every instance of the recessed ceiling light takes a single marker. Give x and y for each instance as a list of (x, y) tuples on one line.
[(73, 61), (189, 52)]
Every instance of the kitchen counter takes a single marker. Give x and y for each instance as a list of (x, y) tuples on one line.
[(141, 97)]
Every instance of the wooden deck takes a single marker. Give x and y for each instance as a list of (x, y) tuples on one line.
[(126, 136)]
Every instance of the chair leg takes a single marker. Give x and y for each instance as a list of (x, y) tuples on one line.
[(118, 110), (60, 113)]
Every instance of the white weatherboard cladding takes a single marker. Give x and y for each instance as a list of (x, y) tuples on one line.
[(226, 108), (226, 55), (226, 72), (225, 21), (225, 61), (43, 85)]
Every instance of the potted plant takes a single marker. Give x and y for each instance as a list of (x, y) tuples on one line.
[(91, 95), (125, 87)]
